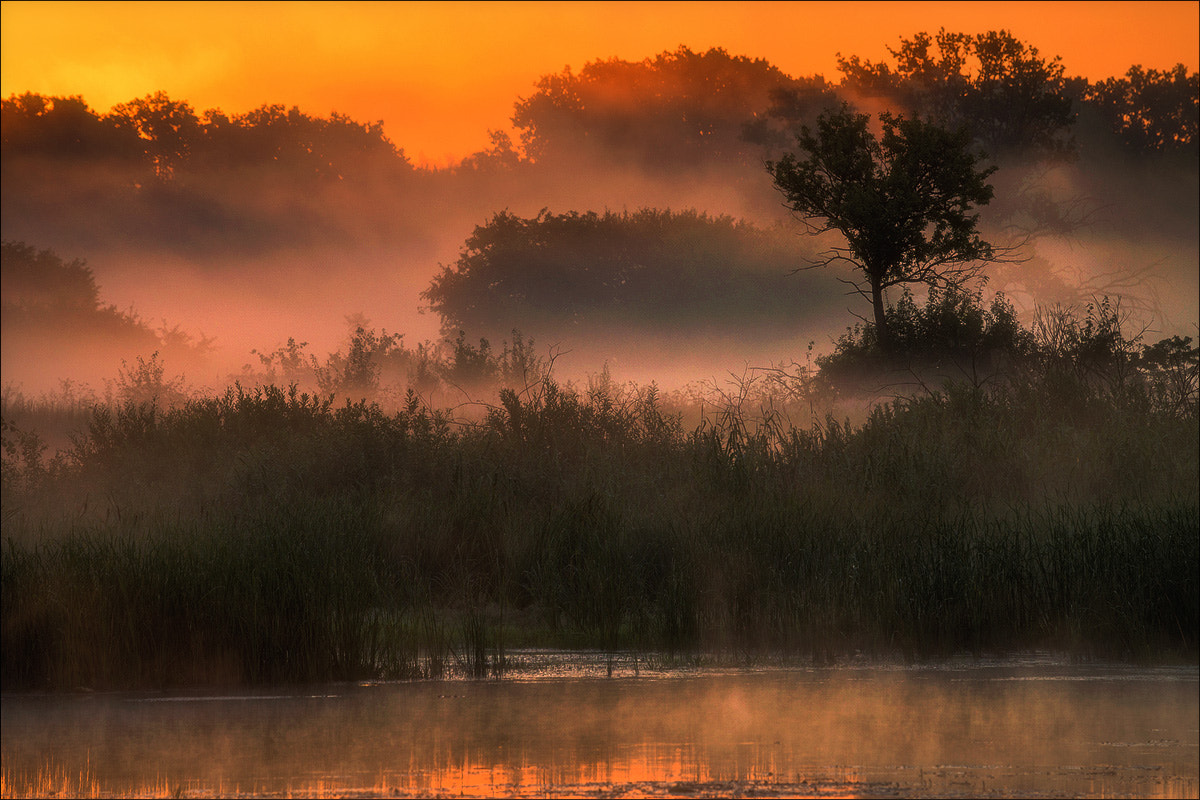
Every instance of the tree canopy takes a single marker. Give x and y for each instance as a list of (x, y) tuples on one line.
[(1151, 110), (169, 137), (681, 129), (661, 113), (33, 278), (154, 171), (903, 201), (1000, 88), (47, 297), (591, 272)]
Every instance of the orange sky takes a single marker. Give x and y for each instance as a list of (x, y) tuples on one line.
[(439, 75)]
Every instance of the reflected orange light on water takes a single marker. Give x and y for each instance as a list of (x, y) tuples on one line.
[(651, 770), (1014, 731), (440, 75)]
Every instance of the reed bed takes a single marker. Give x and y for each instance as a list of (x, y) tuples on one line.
[(268, 535)]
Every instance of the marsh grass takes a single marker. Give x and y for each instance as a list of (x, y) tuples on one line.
[(267, 534)]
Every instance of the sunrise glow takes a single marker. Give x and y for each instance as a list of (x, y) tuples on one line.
[(440, 75), (632, 399)]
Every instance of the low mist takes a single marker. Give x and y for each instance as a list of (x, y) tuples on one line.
[(278, 225)]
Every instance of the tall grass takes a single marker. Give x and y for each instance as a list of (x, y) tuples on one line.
[(267, 534)]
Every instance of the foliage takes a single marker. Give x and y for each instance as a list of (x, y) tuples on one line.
[(1066, 353), (902, 202), (43, 295), (286, 364), (153, 171), (167, 130), (357, 372), (644, 269), (175, 143), (952, 334), (350, 544), (790, 107), (375, 365), (278, 532), (559, 422), (236, 444), (1172, 367), (470, 366), (1001, 89), (156, 172), (663, 113), (60, 128), (146, 383), (33, 278), (1151, 110), (54, 319), (24, 467), (1052, 506)]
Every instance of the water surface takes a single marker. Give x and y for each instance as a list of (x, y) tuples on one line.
[(565, 728)]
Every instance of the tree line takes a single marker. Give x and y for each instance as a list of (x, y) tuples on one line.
[(671, 110), (156, 171)]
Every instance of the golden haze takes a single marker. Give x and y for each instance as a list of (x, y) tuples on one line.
[(440, 75)]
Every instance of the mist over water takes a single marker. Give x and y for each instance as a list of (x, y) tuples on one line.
[(250, 251), (256, 299), (267, 590), (873, 731)]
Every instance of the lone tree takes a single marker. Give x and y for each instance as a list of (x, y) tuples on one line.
[(903, 202)]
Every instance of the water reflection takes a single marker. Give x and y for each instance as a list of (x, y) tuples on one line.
[(1003, 729)]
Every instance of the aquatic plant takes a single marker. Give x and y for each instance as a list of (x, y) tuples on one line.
[(270, 534)]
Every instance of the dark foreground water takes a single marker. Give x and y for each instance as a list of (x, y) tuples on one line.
[(563, 727)]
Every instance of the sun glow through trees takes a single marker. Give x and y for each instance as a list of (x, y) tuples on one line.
[(441, 75)]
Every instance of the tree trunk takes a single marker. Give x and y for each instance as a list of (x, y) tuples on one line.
[(882, 333)]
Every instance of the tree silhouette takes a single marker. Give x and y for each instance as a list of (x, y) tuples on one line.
[(669, 112), (62, 128), (902, 202), (302, 148), (38, 278), (168, 128), (46, 298), (791, 106), (1151, 110), (557, 273), (1009, 96)]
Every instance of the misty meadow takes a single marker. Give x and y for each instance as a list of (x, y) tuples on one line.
[(703, 372)]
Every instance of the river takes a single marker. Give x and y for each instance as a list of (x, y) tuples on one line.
[(559, 725)]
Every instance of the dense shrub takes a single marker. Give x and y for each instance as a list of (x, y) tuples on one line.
[(1065, 355)]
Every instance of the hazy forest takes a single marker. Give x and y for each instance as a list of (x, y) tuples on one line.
[(280, 405)]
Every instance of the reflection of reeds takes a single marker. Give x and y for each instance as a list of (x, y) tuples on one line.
[(52, 780), (270, 535)]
